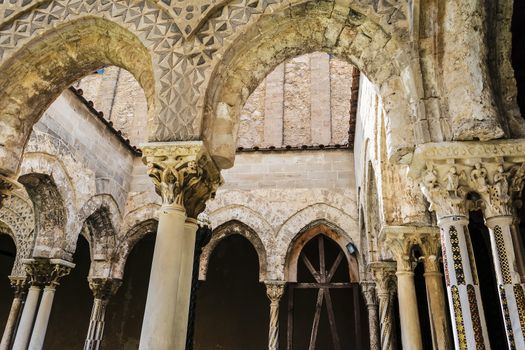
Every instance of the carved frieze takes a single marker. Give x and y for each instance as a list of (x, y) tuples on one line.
[(183, 173)]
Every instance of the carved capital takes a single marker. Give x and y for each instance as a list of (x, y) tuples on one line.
[(400, 240), (104, 288), (46, 272), (384, 275), (183, 173), (275, 290), (369, 292), (19, 284), (7, 186)]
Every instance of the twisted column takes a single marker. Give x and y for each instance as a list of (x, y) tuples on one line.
[(103, 289), (185, 177), (383, 273), (369, 292), (20, 288), (274, 291)]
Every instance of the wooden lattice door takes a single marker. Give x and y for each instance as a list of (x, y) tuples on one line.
[(319, 266)]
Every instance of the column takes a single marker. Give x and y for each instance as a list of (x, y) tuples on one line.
[(103, 289), (28, 316), (20, 287), (437, 310), (369, 292), (510, 287), (274, 290), (185, 177), (57, 268), (383, 273)]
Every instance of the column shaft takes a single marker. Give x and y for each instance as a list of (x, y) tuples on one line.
[(408, 312), (274, 291), (42, 318), (96, 325), (166, 315), (373, 327), (386, 321), (437, 310), (26, 320), (510, 288), (466, 308), (12, 321)]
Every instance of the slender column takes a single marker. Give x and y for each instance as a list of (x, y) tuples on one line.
[(103, 289), (185, 177), (57, 269), (26, 320), (369, 292), (466, 308), (384, 277), (20, 287), (510, 287), (437, 310), (274, 290)]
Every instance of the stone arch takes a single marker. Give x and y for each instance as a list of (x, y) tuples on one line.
[(274, 38), (309, 232), (56, 179), (34, 75), (126, 244), (234, 227)]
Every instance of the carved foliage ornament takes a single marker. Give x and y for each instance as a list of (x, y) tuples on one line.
[(183, 173), (44, 272)]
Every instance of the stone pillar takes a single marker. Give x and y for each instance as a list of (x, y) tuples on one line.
[(185, 177), (20, 287), (437, 310), (274, 290), (383, 273), (103, 289), (28, 316), (510, 287), (56, 269), (369, 292)]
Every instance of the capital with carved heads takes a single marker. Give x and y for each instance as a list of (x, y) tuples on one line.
[(183, 173), (275, 290)]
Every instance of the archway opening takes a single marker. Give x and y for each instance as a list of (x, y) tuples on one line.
[(324, 309), (7, 260), (232, 308), (69, 318), (126, 308), (480, 239)]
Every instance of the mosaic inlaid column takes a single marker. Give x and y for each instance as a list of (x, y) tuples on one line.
[(274, 291), (20, 288), (510, 287), (385, 279), (185, 177), (103, 289), (369, 292), (466, 309), (57, 269), (437, 309)]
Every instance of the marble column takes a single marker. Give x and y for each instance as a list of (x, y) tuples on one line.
[(510, 286), (20, 288), (274, 290), (383, 273), (103, 289), (185, 177), (369, 292), (25, 326), (57, 269), (437, 310)]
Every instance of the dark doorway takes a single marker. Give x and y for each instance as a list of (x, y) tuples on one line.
[(71, 310), (324, 310), (232, 308), (7, 259), (126, 308), (487, 280)]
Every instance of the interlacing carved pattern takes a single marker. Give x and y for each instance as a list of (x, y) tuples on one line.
[(470, 252), (506, 316), (502, 255), (519, 295), (458, 316), (476, 320), (456, 255)]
